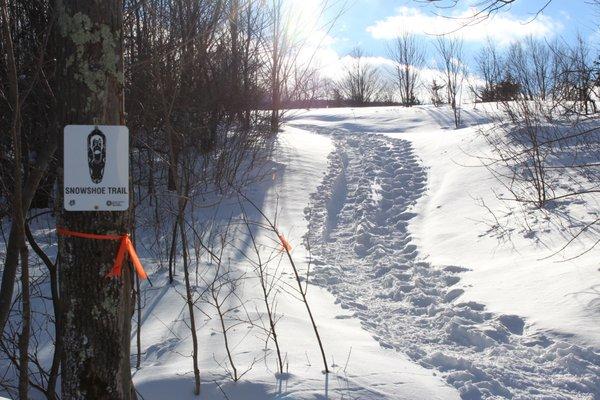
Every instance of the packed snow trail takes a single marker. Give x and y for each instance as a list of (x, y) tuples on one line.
[(358, 234)]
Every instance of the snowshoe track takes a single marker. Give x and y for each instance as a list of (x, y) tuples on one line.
[(358, 233)]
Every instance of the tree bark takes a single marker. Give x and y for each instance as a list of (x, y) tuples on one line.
[(96, 310)]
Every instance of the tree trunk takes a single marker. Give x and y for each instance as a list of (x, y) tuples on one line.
[(188, 292), (26, 326), (96, 310)]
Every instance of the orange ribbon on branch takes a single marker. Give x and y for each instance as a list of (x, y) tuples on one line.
[(125, 247), (285, 245)]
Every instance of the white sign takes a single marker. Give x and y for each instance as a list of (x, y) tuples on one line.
[(96, 168)]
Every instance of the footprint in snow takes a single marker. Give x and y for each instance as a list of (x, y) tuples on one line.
[(413, 306)]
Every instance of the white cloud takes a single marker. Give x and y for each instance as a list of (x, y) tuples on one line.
[(501, 28), (333, 66)]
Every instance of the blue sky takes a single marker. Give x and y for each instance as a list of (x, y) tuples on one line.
[(370, 23)]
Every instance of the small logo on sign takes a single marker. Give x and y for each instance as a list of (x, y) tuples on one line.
[(96, 155)]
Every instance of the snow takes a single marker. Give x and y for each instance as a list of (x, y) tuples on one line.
[(361, 367), (449, 225), (414, 295), (552, 294), (496, 318)]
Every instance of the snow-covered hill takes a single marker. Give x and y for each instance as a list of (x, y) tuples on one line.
[(362, 369), (452, 225), (415, 296), (401, 237)]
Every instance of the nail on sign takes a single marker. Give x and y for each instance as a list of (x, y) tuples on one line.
[(96, 168)]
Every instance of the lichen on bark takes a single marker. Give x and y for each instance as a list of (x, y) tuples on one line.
[(79, 31)]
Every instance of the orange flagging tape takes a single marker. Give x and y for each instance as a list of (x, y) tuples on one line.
[(284, 243), (126, 246)]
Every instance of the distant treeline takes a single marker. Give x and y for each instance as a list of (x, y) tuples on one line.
[(297, 104)]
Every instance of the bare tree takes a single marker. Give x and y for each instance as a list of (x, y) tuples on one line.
[(387, 93), (450, 52), (529, 64), (581, 77), (286, 247), (408, 56), (188, 288), (518, 66), (573, 76), (539, 53), (222, 295), (267, 284), (288, 64), (559, 67), (360, 83), (280, 43), (490, 67)]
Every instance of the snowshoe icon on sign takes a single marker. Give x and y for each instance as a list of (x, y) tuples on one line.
[(96, 154)]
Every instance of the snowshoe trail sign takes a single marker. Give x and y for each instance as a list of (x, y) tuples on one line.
[(96, 168)]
